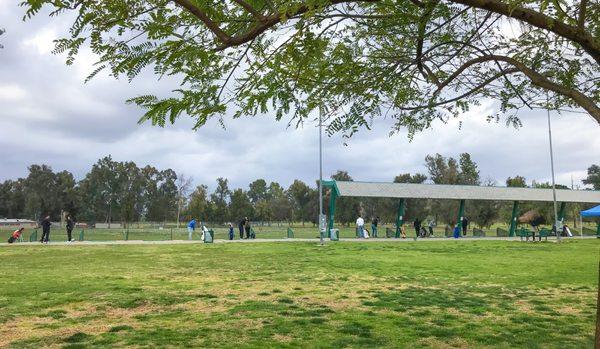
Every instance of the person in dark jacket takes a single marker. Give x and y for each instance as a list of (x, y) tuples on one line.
[(45, 229), (70, 226), (241, 226), (417, 225), (465, 223), (374, 227)]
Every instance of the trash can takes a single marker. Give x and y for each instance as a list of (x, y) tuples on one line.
[(334, 234), (209, 236)]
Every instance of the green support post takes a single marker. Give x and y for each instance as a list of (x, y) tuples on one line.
[(598, 231), (332, 199), (334, 193), (513, 219), (461, 211), (400, 216)]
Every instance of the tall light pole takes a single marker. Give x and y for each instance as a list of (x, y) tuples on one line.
[(321, 215), (552, 169)]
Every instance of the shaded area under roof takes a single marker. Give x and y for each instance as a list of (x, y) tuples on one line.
[(460, 192)]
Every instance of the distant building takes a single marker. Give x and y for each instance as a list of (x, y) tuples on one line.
[(11, 222)]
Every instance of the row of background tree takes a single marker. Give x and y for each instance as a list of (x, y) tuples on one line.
[(123, 192)]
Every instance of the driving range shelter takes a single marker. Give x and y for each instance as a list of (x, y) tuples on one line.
[(461, 193)]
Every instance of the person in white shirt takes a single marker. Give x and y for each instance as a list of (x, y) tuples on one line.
[(360, 225)]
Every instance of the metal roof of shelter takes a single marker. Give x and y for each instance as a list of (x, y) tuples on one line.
[(462, 192)]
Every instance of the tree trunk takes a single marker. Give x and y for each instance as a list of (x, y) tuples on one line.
[(597, 342), (178, 211), (109, 214)]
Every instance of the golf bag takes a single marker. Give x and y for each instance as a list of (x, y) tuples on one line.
[(14, 237)]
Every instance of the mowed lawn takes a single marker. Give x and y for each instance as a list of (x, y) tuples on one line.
[(438, 294)]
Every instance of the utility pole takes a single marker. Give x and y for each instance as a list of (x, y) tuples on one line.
[(552, 169), (321, 215)]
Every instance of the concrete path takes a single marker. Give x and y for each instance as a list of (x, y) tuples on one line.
[(219, 241)]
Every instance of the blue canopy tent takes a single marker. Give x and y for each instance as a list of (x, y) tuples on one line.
[(593, 212)]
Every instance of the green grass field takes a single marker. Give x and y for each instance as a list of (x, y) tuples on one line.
[(461, 294)]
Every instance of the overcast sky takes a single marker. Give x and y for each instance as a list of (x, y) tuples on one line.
[(48, 115)]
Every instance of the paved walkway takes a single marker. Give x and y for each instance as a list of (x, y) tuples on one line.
[(219, 241)]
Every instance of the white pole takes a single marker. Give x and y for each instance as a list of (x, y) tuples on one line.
[(580, 226), (320, 173), (552, 169)]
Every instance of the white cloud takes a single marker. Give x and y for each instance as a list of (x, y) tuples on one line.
[(11, 92), (42, 41)]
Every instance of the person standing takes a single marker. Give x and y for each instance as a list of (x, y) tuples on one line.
[(374, 226), (417, 225), (360, 225), (230, 231), (70, 225), (431, 225), (465, 223), (45, 230), (242, 226), (191, 228)]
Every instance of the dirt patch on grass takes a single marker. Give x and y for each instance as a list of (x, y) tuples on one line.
[(282, 338), (569, 311), (438, 344), (202, 306), (128, 313), (23, 328)]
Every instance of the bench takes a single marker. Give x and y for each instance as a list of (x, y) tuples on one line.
[(501, 232), (478, 233), (544, 233), (524, 233), (448, 231), (588, 231), (390, 233)]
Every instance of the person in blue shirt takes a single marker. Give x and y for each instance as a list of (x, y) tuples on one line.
[(191, 228), (230, 231)]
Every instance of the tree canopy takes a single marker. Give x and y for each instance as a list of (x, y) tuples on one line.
[(593, 177), (415, 61)]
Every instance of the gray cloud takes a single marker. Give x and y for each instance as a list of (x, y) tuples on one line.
[(49, 115)]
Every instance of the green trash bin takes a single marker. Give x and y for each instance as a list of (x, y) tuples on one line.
[(290, 233), (81, 235)]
